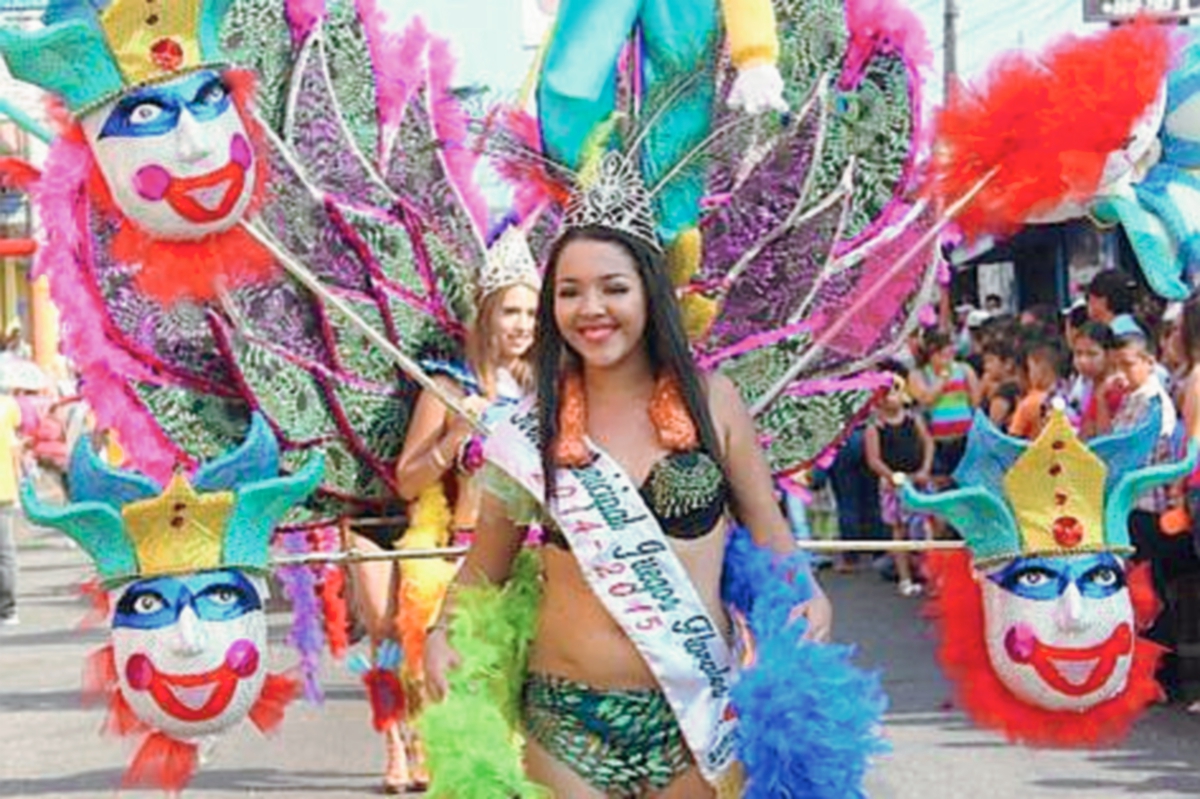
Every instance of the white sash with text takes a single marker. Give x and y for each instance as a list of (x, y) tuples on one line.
[(640, 582)]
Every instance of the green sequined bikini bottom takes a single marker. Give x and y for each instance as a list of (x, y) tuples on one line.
[(625, 743)]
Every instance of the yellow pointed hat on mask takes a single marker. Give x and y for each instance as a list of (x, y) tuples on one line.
[(1057, 495), (88, 56)]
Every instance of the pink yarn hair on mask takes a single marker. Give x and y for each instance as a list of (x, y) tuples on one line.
[(303, 16), (105, 369)]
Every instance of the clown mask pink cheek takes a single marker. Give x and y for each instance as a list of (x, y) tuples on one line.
[(242, 659), (239, 151), (139, 672), (1019, 643), (152, 183)]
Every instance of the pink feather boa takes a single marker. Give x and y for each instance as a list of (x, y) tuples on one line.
[(105, 369)]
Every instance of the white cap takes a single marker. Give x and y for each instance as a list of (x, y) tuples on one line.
[(976, 318)]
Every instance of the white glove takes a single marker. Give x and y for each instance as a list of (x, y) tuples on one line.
[(758, 89)]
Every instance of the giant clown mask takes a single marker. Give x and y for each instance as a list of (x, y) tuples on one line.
[(1040, 624), (171, 148), (184, 567), (176, 156)]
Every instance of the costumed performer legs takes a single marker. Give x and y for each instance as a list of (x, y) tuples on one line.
[(437, 455)]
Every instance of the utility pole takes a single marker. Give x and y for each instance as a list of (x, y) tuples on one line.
[(949, 74), (950, 36)]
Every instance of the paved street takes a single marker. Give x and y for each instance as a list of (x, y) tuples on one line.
[(49, 746)]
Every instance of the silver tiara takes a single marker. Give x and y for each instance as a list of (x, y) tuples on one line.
[(612, 195), (509, 263)]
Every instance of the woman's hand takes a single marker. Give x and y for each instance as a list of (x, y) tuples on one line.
[(459, 429), (818, 614), (440, 659)]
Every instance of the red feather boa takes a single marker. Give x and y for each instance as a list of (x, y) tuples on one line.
[(1049, 123), (957, 608)]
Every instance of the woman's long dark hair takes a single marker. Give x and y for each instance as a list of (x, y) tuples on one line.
[(666, 344)]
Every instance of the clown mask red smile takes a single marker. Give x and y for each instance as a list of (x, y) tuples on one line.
[(188, 650), (176, 156), (1060, 631)]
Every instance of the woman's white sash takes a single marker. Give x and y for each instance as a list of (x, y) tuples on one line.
[(640, 581)]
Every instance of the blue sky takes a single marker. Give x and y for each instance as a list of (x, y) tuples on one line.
[(486, 33)]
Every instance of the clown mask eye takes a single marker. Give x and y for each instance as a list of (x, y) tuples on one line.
[(148, 604), (145, 113), (213, 93), (1035, 578), (224, 595)]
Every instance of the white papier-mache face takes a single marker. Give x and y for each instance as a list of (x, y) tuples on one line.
[(176, 156), (191, 651), (1060, 631)]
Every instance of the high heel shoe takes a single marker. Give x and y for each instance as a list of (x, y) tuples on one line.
[(396, 779)]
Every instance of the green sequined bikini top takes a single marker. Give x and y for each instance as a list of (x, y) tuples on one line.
[(686, 491)]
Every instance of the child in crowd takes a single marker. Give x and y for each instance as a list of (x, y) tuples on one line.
[(948, 391), (897, 442), (1001, 381), (1138, 373), (1042, 361), (1100, 392)]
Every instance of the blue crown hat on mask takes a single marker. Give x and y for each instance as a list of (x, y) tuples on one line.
[(222, 518), (90, 52), (1053, 496)]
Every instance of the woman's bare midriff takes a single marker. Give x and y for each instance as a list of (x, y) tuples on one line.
[(578, 639)]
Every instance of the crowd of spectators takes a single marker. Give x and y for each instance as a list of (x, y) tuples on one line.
[(1111, 358)]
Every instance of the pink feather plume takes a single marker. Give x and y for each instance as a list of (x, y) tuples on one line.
[(104, 368)]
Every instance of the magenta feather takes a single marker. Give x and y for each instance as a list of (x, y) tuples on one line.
[(450, 123), (105, 370), (396, 60), (303, 16)]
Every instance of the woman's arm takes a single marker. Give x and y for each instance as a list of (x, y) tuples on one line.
[(974, 386), (754, 495), (928, 448), (923, 392), (489, 561), (432, 442)]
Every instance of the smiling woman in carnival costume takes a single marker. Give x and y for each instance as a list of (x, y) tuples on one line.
[(185, 566), (622, 668), (1039, 622), (438, 461)]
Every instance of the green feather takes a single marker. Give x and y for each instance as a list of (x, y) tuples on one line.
[(471, 738)]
